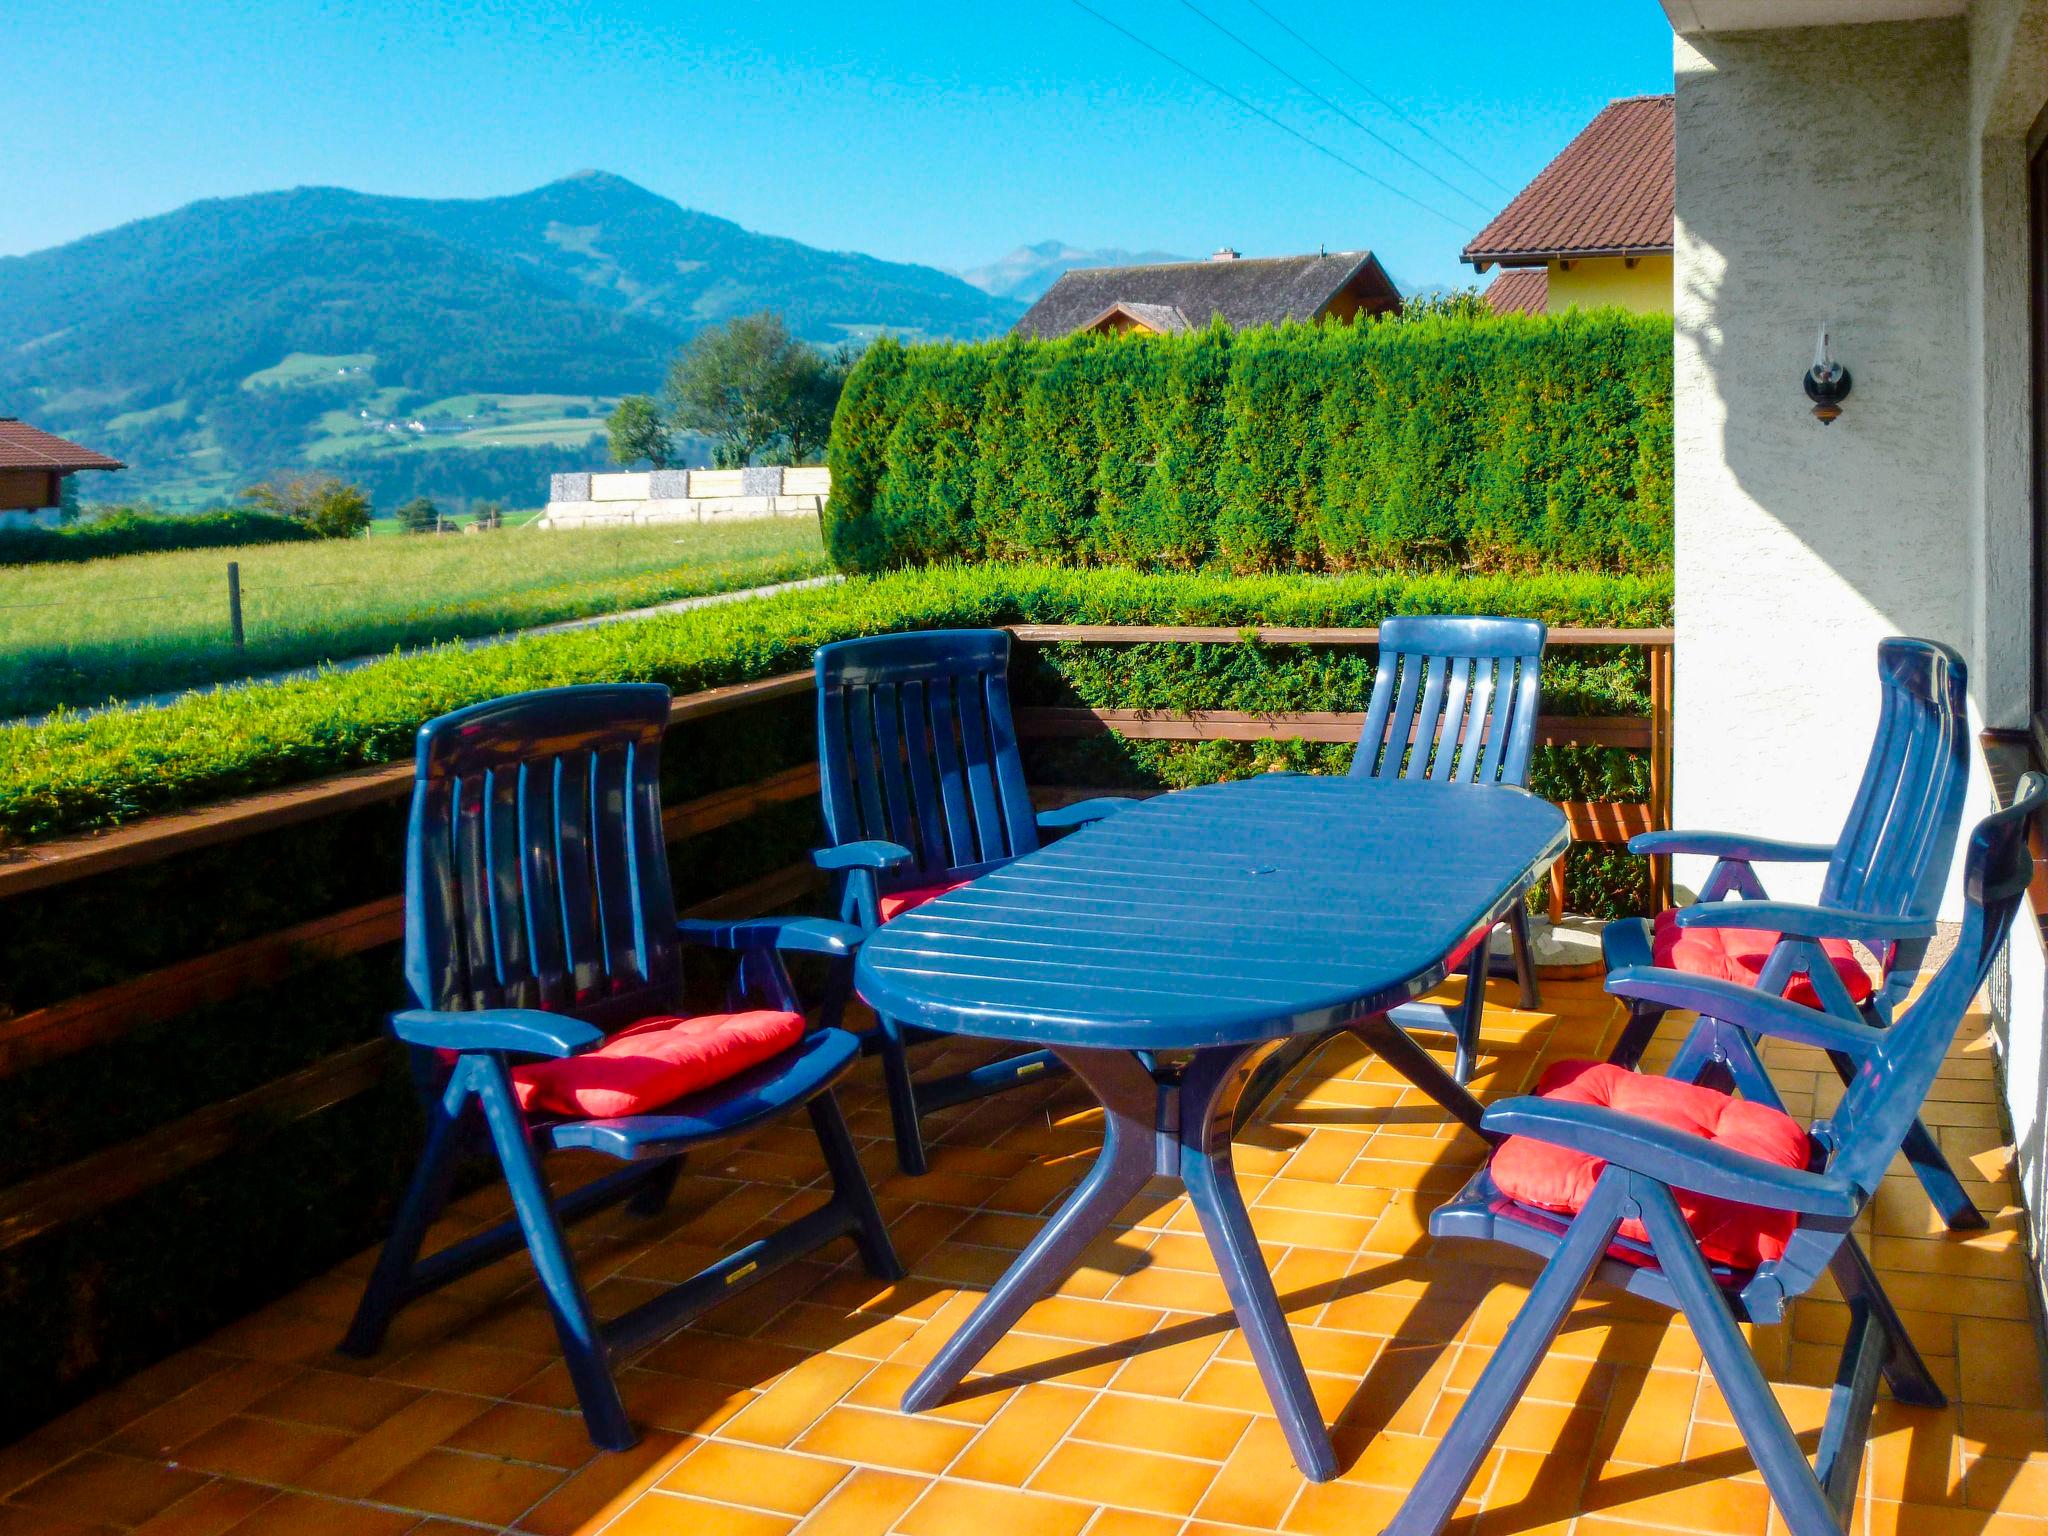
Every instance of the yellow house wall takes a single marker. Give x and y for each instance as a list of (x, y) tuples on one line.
[(1644, 288)]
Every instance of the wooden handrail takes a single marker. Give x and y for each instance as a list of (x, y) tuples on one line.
[(1340, 726), (1286, 634)]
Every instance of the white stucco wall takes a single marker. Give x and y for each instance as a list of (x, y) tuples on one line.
[(1819, 177)]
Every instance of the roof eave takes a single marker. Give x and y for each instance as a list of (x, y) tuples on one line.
[(1481, 260)]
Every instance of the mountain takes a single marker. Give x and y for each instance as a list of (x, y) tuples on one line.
[(1029, 270), (320, 327)]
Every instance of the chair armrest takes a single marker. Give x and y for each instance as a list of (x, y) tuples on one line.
[(527, 1031), (873, 854), (1082, 812), (1798, 920), (786, 935), (1677, 1159), (1746, 1008), (1734, 846)]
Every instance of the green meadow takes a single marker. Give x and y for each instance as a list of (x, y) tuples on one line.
[(79, 635)]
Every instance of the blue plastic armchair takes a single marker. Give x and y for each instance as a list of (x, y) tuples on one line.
[(924, 790), (1455, 700), (1883, 886), (1894, 1068), (539, 921)]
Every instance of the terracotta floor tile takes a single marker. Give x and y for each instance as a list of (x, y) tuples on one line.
[(605, 1486), (905, 1442), (1139, 1480), (1174, 1428), (518, 1432), (359, 1467), (331, 1400), (466, 1487), (300, 1514), (1017, 1440), (210, 1403), (867, 1504), (669, 1514), (954, 1509), (778, 1481), (1340, 1509), (118, 1490)]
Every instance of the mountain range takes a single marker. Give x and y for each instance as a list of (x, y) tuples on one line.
[(1029, 270), (410, 342)]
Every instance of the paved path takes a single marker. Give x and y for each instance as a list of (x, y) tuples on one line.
[(477, 642)]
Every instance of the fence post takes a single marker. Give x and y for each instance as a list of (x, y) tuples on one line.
[(235, 602)]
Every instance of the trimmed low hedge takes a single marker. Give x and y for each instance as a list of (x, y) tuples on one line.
[(1514, 443), (140, 533), (73, 774)]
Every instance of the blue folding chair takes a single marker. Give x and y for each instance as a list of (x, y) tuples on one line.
[(1454, 700), (923, 791), (1885, 876), (1645, 1162), (539, 920)]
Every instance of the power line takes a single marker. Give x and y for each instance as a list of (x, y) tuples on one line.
[(1321, 149), (1376, 96), (1362, 127)]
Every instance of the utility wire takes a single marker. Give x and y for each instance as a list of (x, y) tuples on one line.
[(1321, 149), (1376, 96), (1365, 128)]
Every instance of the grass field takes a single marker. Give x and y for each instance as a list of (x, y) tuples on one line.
[(83, 634)]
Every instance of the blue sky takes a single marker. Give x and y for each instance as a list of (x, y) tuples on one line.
[(917, 131)]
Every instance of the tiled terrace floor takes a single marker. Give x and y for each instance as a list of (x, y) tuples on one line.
[(1126, 1405)]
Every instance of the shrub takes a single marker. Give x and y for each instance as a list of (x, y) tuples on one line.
[(130, 532), (328, 505), (1445, 441), (72, 774)]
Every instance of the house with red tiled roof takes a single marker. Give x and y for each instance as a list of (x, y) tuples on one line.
[(1595, 226), (33, 464)]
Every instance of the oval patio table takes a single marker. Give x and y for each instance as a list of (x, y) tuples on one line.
[(1165, 952)]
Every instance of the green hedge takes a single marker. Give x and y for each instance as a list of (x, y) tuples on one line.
[(146, 533), (72, 774), (1518, 443)]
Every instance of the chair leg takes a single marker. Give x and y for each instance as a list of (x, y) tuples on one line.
[(902, 1092), (1801, 1500), (1525, 955), (850, 1188), (1636, 1035), (651, 1199), (583, 1345), (1904, 1371), (1434, 1498), (1470, 1015), (423, 1199)]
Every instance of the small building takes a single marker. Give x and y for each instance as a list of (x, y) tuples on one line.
[(33, 465), (1185, 295), (1595, 226)]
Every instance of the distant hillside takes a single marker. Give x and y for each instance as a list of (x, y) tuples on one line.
[(1029, 270), (241, 336)]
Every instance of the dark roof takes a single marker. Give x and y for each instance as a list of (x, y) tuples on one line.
[(1519, 291), (1245, 292), (25, 447), (1608, 194)]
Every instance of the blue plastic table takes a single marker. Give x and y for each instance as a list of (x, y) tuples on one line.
[(1163, 953)]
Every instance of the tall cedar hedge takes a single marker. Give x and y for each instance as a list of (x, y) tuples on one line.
[(1517, 443)]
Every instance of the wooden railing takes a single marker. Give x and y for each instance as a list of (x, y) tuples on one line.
[(100, 1016)]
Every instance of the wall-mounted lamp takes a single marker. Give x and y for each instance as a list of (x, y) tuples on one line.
[(1827, 381)]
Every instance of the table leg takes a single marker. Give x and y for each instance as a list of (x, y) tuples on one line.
[(1397, 1048), (1208, 1103), (1130, 1111)]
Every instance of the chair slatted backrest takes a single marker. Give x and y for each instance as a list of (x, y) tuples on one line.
[(917, 746), (1892, 858), (1881, 1103), (536, 870), (1454, 700)]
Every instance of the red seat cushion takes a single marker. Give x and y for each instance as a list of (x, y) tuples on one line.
[(896, 903), (1738, 955), (650, 1065), (1554, 1178)]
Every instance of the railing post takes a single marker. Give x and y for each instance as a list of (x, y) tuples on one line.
[(235, 603), (1660, 659)]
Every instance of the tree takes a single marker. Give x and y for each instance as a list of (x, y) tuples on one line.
[(331, 507), (489, 515), (419, 515), (638, 431), (67, 499), (749, 384)]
